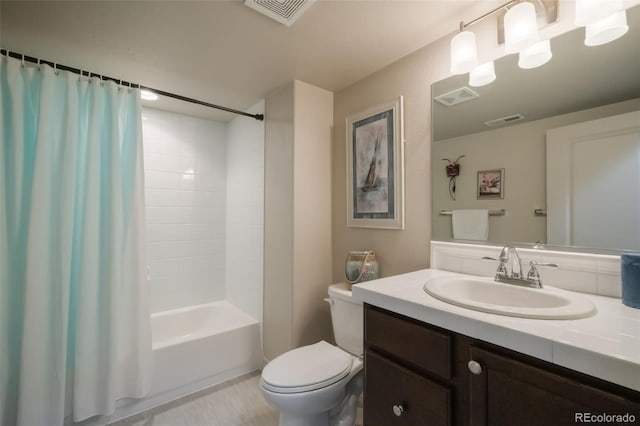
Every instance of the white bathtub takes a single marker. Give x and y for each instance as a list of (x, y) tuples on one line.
[(194, 348), (196, 322)]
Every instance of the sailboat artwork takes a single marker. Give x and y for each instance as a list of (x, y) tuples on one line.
[(372, 167), (371, 182), (375, 167)]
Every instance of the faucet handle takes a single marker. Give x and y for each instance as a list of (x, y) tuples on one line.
[(501, 272), (535, 263), (534, 276)]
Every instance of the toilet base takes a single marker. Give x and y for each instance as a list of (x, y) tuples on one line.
[(344, 414)]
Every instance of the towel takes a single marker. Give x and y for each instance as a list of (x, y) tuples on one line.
[(470, 224)]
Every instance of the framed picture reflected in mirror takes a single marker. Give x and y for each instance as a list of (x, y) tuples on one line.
[(490, 184)]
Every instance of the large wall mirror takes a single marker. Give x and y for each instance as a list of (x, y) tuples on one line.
[(566, 138)]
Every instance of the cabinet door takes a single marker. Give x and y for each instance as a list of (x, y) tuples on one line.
[(395, 395), (416, 344), (508, 392)]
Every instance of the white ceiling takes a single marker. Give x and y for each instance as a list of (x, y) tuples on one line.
[(222, 51)]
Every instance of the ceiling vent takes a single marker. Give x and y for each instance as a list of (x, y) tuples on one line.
[(284, 11), (456, 97), (504, 120)]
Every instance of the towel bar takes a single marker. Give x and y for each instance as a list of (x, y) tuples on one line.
[(500, 212)]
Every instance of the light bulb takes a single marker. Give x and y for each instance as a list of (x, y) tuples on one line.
[(535, 56), (148, 96), (520, 27), (482, 74), (464, 55), (590, 11), (606, 30)]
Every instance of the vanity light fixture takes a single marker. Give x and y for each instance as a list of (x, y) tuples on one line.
[(535, 56), (520, 34), (590, 11), (464, 53), (520, 27), (482, 74), (604, 20), (606, 30)]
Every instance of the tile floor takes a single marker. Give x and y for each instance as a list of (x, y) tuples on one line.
[(237, 402)]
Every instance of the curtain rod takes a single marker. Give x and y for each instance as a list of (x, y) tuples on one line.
[(31, 59)]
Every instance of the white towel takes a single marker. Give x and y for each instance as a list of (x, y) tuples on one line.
[(470, 224)]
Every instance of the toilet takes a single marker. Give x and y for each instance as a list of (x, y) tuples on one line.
[(319, 384)]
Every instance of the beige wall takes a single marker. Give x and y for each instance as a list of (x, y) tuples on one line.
[(313, 125), (398, 250), (298, 126), (411, 77), (278, 220), (521, 151)]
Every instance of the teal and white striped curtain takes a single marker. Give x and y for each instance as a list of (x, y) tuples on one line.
[(74, 315)]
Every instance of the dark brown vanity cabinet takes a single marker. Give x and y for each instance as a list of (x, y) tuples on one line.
[(417, 374), (411, 372)]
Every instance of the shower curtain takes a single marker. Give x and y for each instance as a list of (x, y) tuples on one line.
[(74, 315)]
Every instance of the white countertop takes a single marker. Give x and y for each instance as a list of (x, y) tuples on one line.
[(606, 345)]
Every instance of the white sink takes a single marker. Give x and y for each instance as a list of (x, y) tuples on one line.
[(486, 295)]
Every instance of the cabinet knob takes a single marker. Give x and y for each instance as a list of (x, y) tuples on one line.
[(475, 367), (398, 410)]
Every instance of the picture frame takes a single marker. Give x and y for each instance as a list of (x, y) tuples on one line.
[(490, 184), (375, 167)]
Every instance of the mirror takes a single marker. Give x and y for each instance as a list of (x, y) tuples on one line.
[(503, 132)]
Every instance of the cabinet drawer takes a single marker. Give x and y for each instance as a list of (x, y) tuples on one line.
[(417, 344), (388, 384)]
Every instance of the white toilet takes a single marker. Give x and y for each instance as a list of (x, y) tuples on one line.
[(319, 384)]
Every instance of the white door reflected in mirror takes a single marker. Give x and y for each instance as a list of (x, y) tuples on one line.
[(593, 183)]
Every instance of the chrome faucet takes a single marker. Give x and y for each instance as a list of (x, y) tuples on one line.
[(510, 268), (513, 260)]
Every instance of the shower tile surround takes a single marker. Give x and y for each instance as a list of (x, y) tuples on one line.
[(185, 187), (245, 213)]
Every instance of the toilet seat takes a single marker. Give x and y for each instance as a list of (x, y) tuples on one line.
[(307, 368)]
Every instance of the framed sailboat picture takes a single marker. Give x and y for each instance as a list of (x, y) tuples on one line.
[(375, 167)]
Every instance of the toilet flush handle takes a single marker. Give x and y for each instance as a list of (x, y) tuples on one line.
[(329, 301)]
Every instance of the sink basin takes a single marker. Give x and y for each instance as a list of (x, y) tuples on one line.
[(486, 295)]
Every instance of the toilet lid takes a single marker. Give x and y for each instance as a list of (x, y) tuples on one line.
[(307, 368)]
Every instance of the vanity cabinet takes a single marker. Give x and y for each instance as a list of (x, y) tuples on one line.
[(417, 374), (412, 372)]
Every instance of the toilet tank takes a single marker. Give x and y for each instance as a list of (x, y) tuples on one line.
[(346, 317)]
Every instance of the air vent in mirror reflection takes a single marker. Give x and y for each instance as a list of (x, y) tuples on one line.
[(457, 96), (504, 120)]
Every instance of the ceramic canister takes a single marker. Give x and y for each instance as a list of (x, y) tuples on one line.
[(630, 274)]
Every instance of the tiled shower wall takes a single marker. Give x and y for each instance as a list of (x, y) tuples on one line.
[(245, 212), (185, 184)]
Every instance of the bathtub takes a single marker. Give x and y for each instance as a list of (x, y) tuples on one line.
[(195, 348)]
